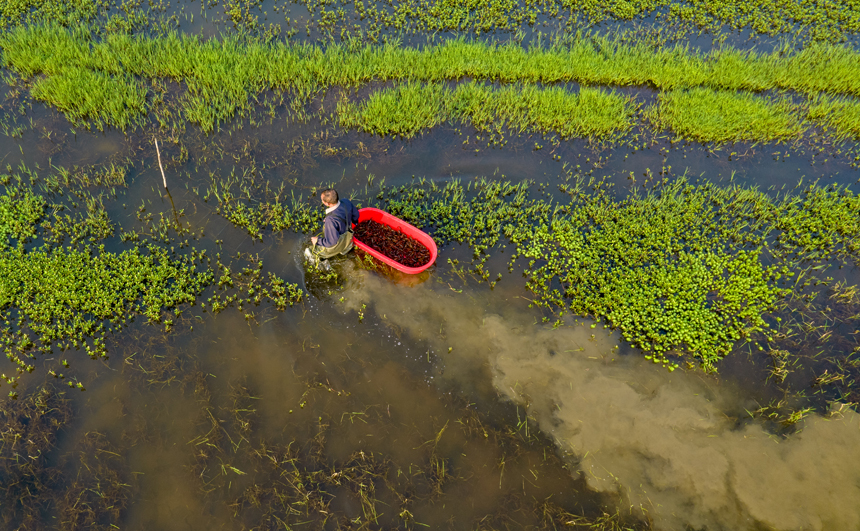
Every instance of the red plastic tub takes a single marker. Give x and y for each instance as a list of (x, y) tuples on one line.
[(383, 217)]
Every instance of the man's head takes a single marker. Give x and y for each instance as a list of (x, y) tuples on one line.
[(329, 196)]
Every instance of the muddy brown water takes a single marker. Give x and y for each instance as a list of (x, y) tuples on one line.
[(448, 405)]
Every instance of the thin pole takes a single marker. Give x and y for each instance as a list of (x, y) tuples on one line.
[(164, 177)]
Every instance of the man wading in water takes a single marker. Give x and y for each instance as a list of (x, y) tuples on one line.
[(337, 227)]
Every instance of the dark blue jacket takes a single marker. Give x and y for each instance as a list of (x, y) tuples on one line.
[(338, 222)]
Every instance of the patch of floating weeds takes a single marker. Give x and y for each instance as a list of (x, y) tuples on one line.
[(22, 12), (96, 81), (254, 205), (810, 21), (61, 289), (356, 19), (683, 268), (89, 487)]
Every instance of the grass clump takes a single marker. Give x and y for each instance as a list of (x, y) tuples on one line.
[(408, 109), (19, 212), (708, 116), (838, 116), (404, 110), (86, 96), (588, 113)]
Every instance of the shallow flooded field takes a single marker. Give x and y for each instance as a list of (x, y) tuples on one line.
[(232, 386)]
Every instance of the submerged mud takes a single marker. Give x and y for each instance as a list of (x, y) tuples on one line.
[(673, 448)]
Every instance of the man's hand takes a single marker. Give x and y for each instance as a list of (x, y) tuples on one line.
[(314, 240)]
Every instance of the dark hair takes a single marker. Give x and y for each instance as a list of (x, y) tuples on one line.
[(329, 195)]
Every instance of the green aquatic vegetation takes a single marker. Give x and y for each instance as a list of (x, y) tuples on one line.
[(590, 113), (60, 288), (820, 224), (406, 110), (93, 225), (20, 210), (111, 177), (681, 269), (255, 206), (815, 21), (708, 116), (828, 20), (96, 80), (65, 12), (659, 270), (88, 97), (69, 295), (838, 116)]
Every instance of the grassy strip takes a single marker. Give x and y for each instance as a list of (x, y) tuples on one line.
[(593, 61), (222, 75), (408, 109), (709, 116)]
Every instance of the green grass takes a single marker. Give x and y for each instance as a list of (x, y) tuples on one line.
[(97, 80), (708, 116), (408, 109), (87, 96), (404, 110), (589, 113), (839, 116)]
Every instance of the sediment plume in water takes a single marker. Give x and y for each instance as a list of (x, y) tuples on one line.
[(668, 445)]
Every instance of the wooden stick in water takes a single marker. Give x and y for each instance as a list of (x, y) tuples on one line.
[(164, 177)]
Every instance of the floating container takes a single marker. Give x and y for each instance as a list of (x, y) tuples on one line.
[(384, 218)]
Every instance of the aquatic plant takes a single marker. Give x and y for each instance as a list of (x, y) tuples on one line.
[(407, 110), (95, 80), (839, 115), (708, 116), (61, 288), (683, 268), (29, 426), (814, 21)]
